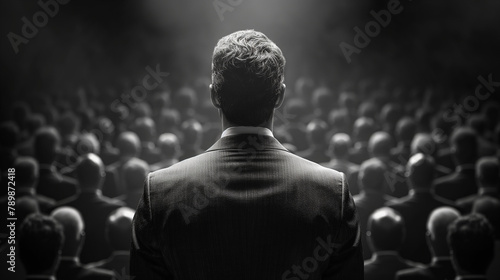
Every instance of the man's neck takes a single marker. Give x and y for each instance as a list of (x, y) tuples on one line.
[(227, 124)]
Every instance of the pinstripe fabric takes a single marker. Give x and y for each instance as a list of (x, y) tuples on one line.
[(246, 209)]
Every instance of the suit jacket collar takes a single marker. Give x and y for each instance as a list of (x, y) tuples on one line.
[(247, 142)]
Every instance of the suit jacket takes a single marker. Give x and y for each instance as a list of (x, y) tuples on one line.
[(315, 153), (366, 203), (350, 170), (54, 185), (457, 185), (73, 270), (385, 265), (95, 210), (465, 204), (415, 210), (436, 270), (246, 209)]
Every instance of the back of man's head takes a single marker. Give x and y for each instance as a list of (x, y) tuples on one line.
[(423, 143), (87, 143), (323, 99), (487, 170), (386, 230), (40, 242), (90, 171), (363, 129), (420, 171), (464, 145), (135, 172), (405, 129), (73, 227), (437, 230), (316, 132), (145, 128), (371, 175), (489, 207), (169, 145), (46, 145), (340, 145), (118, 228), (380, 144), (25, 206), (471, 243), (128, 144), (192, 132), (247, 77), (26, 171)]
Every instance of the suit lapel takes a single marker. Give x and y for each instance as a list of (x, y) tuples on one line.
[(247, 141)]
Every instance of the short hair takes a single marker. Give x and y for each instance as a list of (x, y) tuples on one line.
[(317, 131), (386, 229), (340, 145), (128, 144), (363, 129), (489, 207), (47, 142), (118, 227), (135, 172), (323, 98), (465, 144), (380, 144), (145, 128), (40, 242), (423, 143), (438, 223), (487, 170), (247, 76), (26, 171), (420, 171), (371, 175), (87, 143), (192, 132), (90, 171), (25, 206), (471, 243), (72, 222), (405, 129), (169, 145)]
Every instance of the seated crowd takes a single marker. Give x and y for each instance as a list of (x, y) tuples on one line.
[(424, 176)]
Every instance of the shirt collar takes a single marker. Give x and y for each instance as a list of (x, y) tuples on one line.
[(235, 130)]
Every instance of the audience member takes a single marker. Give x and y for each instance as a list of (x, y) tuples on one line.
[(386, 232), (70, 267), (170, 149), (404, 132), (135, 174), (441, 267), (316, 134), (339, 154), (26, 181), (362, 131), (145, 128)]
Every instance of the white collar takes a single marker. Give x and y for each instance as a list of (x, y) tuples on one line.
[(235, 130)]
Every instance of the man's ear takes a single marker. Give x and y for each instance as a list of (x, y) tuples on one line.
[(214, 97), (281, 96)]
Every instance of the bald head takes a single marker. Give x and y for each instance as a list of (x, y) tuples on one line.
[(437, 228), (26, 171), (129, 144), (488, 171), (380, 144), (118, 228), (73, 227), (135, 172), (423, 143), (87, 143), (90, 171), (420, 171), (405, 129), (340, 145), (385, 230), (371, 175)]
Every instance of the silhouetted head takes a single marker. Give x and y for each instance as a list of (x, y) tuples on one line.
[(73, 228), (169, 145), (380, 144), (420, 171), (323, 99), (90, 172), (471, 244), (247, 77), (295, 109), (142, 110), (145, 128), (47, 144), (487, 170), (368, 110), (389, 116), (128, 144), (135, 172), (40, 242), (423, 143), (87, 143), (68, 124), (316, 132), (185, 99), (26, 172), (363, 129), (489, 207), (192, 132), (25, 206), (405, 130), (385, 230), (464, 145), (437, 230), (340, 145), (339, 120), (9, 135), (118, 227), (371, 175)]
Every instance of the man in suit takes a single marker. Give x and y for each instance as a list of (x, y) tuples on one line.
[(40, 242), (441, 267), (386, 233), (70, 267), (405, 131), (246, 208), (472, 247), (372, 196), (487, 170), (93, 206), (363, 129), (416, 207), (50, 182), (135, 172), (339, 153), (316, 134), (462, 182), (192, 132)]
